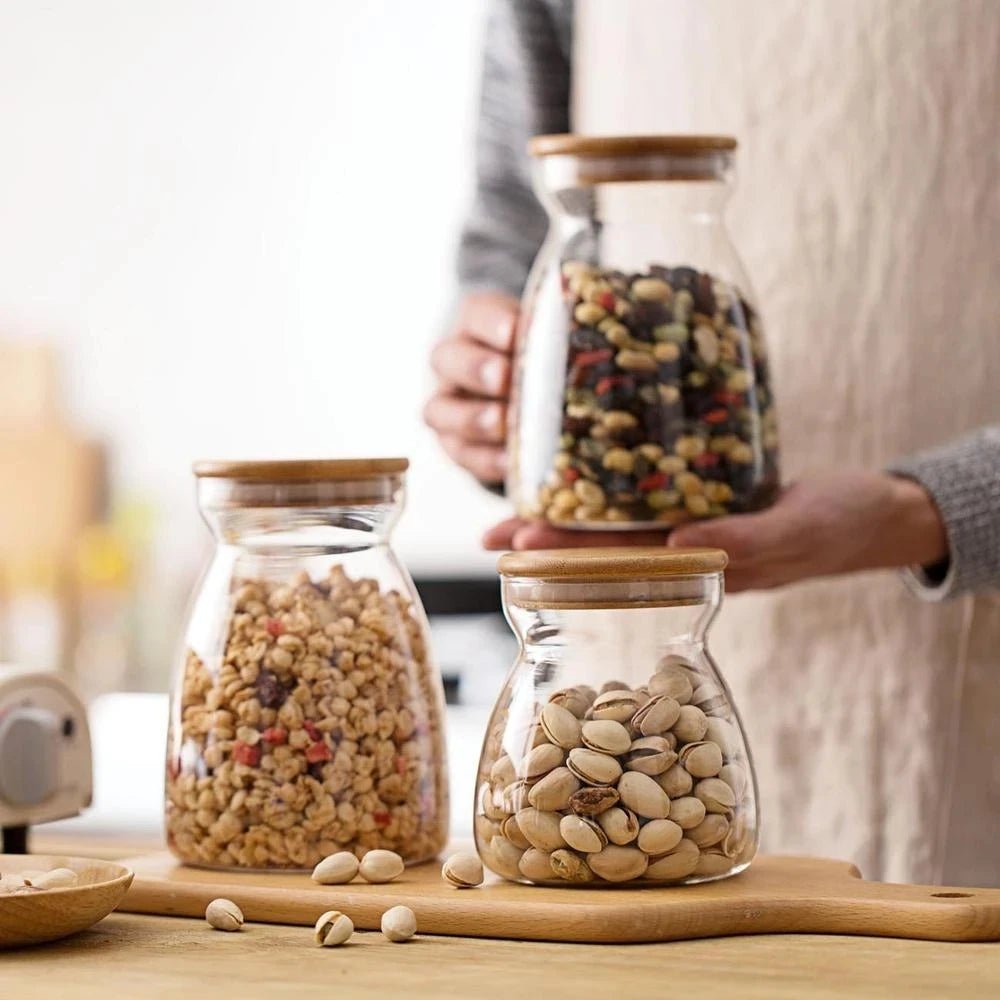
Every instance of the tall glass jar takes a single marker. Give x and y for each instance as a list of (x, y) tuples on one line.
[(642, 393), (615, 753), (307, 715)]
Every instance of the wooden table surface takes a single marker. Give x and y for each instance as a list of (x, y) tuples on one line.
[(163, 957)]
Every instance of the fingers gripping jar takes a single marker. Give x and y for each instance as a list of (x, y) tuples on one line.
[(615, 753), (307, 716), (642, 392)]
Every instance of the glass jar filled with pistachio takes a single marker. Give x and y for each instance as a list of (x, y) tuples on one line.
[(642, 388), (615, 754)]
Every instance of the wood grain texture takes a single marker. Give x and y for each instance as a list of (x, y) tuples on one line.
[(162, 958), (55, 913), (776, 895)]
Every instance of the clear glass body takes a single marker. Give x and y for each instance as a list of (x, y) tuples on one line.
[(642, 394), (307, 716), (615, 754)]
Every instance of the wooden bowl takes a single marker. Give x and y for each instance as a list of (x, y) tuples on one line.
[(55, 913)]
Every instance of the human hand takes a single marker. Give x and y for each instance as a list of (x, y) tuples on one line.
[(820, 526), (468, 409)]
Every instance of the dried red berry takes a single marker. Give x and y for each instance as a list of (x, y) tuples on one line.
[(317, 752), (707, 460), (310, 728), (586, 358), (727, 397), (401, 765), (382, 817), (716, 416), (607, 383), (570, 475), (606, 300), (243, 753), (654, 481), (274, 627), (276, 736)]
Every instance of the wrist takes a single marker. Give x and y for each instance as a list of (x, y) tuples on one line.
[(917, 526)]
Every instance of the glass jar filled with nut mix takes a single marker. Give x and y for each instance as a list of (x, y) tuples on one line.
[(642, 392), (307, 715), (615, 754)]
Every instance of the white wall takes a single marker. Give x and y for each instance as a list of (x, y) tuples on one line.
[(237, 219)]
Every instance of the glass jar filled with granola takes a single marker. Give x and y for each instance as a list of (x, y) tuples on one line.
[(642, 392), (307, 715)]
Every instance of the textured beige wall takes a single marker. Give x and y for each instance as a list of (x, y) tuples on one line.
[(868, 215)]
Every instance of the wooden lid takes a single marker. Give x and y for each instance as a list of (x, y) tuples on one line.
[(302, 470), (569, 144), (611, 564)]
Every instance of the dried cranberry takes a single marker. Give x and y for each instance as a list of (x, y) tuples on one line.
[(570, 475), (274, 627), (382, 817), (270, 692), (275, 735), (606, 300), (706, 460), (243, 753), (318, 752), (656, 481), (310, 728), (717, 416)]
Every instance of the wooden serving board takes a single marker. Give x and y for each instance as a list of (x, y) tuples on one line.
[(776, 895)]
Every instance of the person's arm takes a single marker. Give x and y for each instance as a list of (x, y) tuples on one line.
[(963, 478), (525, 91)]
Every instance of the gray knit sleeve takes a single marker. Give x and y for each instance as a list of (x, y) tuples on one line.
[(964, 480), (525, 92)]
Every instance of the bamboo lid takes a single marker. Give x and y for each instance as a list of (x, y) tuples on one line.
[(570, 144), (611, 563), (302, 470)]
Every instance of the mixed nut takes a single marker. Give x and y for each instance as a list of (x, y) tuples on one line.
[(619, 784), (667, 410), (29, 881), (318, 729)]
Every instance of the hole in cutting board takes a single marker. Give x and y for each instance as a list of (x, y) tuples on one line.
[(951, 895)]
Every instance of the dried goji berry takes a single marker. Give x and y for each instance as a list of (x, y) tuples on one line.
[(586, 358), (243, 753), (274, 627), (716, 416), (317, 752), (570, 475), (382, 817), (275, 735), (654, 481), (606, 300)]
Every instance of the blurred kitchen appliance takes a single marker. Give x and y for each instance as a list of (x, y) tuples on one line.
[(45, 759)]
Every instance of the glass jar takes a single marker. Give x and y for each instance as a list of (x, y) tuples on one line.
[(615, 753), (307, 715), (641, 394)]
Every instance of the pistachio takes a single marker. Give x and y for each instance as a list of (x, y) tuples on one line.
[(510, 829), (573, 699), (737, 836), (541, 828), (554, 791), (57, 878), (673, 682), (502, 772), (399, 924), (713, 863), (336, 869), (612, 685), (560, 726), (656, 716), (486, 829), (380, 866), (701, 760), (659, 836), (515, 796), (491, 803), (570, 866), (224, 915), (711, 699), (711, 830), (679, 863), (650, 755), (535, 865), (675, 781), (620, 826), (593, 801), (618, 705), (504, 857), (605, 736), (643, 796), (582, 834), (593, 768), (687, 812), (618, 864), (463, 870), (691, 724), (734, 776), (723, 733), (333, 928), (717, 796), (542, 759)]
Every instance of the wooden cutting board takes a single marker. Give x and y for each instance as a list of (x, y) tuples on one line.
[(775, 895)]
